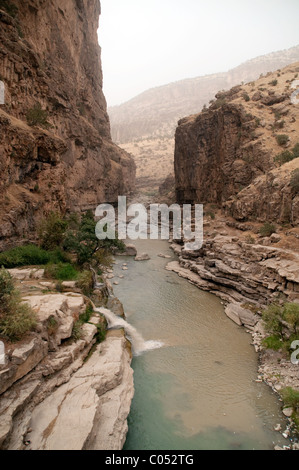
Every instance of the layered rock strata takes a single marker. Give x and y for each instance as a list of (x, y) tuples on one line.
[(62, 393)]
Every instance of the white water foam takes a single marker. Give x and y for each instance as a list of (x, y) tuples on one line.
[(139, 345)]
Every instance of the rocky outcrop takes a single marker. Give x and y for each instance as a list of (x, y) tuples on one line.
[(145, 125), (240, 272), (62, 392), (269, 198), (210, 151), (51, 68), (89, 412), (235, 154)]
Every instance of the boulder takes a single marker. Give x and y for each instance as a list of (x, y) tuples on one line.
[(275, 238), (232, 313), (288, 412), (24, 358), (240, 315), (142, 257), (56, 314)]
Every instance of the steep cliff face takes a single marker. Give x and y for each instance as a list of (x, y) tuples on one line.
[(210, 151), (56, 149), (235, 154)]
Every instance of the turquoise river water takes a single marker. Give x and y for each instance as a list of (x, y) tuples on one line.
[(198, 390)]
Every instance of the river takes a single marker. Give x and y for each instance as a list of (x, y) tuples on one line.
[(196, 389)]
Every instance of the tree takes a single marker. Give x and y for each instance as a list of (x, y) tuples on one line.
[(291, 315), (273, 319), (51, 231)]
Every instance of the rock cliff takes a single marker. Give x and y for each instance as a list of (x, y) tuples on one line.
[(145, 125), (240, 159), (56, 149), (242, 151)]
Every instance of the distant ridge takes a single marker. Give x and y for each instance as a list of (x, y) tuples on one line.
[(155, 112)]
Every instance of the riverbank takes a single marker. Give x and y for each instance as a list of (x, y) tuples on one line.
[(62, 387), (247, 274), (199, 390)]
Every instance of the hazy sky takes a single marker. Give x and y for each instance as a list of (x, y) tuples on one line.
[(148, 43)]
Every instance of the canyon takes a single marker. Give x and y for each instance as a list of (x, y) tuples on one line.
[(145, 125), (238, 158), (57, 154)]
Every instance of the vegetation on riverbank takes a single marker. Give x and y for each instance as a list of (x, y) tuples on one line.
[(282, 322), (68, 250), (16, 318)]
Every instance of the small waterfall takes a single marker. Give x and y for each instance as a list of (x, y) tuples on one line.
[(139, 345)]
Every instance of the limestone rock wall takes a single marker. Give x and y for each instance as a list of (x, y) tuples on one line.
[(208, 155), (59, 391), (229, 153), (50, 57)]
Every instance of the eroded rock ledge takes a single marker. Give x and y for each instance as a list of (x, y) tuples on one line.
[(240, 272), (60, 393)]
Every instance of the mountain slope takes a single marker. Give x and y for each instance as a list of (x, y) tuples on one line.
[(241, 152), (145, 125), (156, 111)]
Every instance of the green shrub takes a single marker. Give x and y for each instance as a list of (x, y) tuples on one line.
[(284, 157), (77, 332), (272, 342), (219, 102), (18, 321), (61, 272), (37, 116), (282, 139), (51, 231), (6, 289), (83, 241), (290, 397), (282, 321), (30, 255), (295, 180), (273, 82), (16, 318), (85, 317), (246, 97), (267, 229), (9, 7), (295, 151), (291, 316), (273, 320), (101, 334), (85, 282), (287, 156)]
